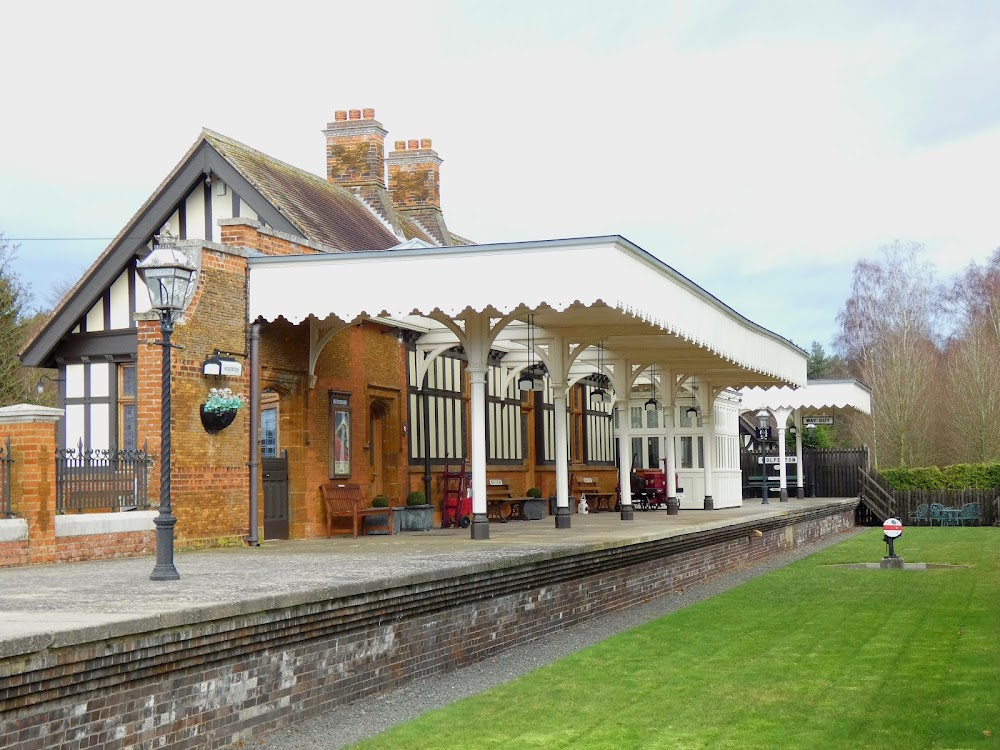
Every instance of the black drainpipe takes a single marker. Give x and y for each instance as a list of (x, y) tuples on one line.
[(252, 539), (427, 441)]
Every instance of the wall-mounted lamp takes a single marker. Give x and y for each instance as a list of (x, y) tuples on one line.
[(40, 386)]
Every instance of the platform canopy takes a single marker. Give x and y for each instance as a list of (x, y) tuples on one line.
[(580, 290), (817, 395)]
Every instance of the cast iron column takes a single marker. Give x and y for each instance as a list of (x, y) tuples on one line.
[(165, 521)]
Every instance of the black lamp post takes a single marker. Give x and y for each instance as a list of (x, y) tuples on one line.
[(167, 273), (763, 437)]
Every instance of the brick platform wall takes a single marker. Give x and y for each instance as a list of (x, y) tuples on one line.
[(217, 683)]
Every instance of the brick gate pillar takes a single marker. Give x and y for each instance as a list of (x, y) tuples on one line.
[(32, 432)]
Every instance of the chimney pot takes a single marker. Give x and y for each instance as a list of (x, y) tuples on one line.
[(368, 113), (413, 145), (340, 115), (354, 114), (425, 143), (400, 145)]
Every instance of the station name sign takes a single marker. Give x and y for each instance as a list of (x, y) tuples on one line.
[(774, 459), (817, 420)]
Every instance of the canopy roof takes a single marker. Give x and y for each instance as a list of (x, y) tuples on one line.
[(817, 394), (582, 290)]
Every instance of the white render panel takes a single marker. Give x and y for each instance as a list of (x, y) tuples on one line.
[(194, 218), (100, 379), (13, 530), (142, 303), (173, 224), (85, 524), (222, 208), (95, 317), (74, 381), (121, 312), (74, 425), (631, 282), (246, 212), (100, 426)]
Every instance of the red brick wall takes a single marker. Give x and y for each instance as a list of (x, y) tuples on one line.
[(186, 688)]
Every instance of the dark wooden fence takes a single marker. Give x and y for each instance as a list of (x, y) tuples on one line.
[(828, 472), (879, 501)]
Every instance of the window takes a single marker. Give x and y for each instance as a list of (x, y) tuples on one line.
[(128, 430), (437, 422), (340, 434), (504, 443), (600, 436), (269, 425)]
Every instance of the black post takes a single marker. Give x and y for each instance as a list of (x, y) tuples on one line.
[(165, 521), (763, 470), (427, 443)]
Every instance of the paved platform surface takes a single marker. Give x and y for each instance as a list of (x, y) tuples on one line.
[(70, 603)]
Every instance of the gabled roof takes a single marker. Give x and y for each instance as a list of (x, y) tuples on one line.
[(320, 211), (284, 197)]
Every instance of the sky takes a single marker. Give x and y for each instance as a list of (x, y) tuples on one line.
[(759, 148)]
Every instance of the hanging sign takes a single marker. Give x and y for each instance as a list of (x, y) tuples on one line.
[(817, 420)]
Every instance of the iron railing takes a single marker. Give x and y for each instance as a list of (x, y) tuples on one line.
[(5, 463), (89, 480)]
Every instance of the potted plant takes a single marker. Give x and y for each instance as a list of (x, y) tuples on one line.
[(418, 514), (534, 509), (219, 410), (376, 522)]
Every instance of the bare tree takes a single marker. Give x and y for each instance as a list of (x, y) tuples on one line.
[(888, 339), (14, 387), (971, 358)]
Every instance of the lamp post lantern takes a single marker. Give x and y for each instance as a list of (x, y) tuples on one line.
[(167, 273)]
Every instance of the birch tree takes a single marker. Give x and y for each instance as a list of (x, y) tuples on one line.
[(972, 358), (888, 334)]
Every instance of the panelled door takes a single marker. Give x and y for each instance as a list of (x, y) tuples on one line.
[(275, 471)]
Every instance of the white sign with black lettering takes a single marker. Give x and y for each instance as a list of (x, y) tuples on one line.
[(775, 459), (817, 420)]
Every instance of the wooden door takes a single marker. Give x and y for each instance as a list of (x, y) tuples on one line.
[(275, 473)]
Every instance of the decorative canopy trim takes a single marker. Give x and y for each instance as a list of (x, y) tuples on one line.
[(603, 287), (817, 394)]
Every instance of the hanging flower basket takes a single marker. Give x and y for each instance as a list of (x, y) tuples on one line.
[(219, 411), (213, 421)]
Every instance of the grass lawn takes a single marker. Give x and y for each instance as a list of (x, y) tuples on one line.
[(809, 656)]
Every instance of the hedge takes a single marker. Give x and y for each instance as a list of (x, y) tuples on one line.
[(954, 477)]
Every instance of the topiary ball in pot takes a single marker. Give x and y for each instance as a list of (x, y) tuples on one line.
[(416, 498), (534, 492), (380, 501)]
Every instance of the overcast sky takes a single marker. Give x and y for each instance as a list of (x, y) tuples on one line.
[(759, 148)]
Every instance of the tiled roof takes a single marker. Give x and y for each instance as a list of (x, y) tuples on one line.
[(322, 211)]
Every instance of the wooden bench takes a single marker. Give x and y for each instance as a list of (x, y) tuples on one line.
[(345, 501), (500, 498), (596, 500)]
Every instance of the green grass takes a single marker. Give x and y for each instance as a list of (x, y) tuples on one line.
[(809, 656)]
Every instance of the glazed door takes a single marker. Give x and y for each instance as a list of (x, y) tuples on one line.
[(275, 472)]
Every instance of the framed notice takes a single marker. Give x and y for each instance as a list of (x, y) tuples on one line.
[(340, 434)]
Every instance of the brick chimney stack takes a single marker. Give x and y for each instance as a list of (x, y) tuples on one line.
[(414, 175), (355, 146)]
